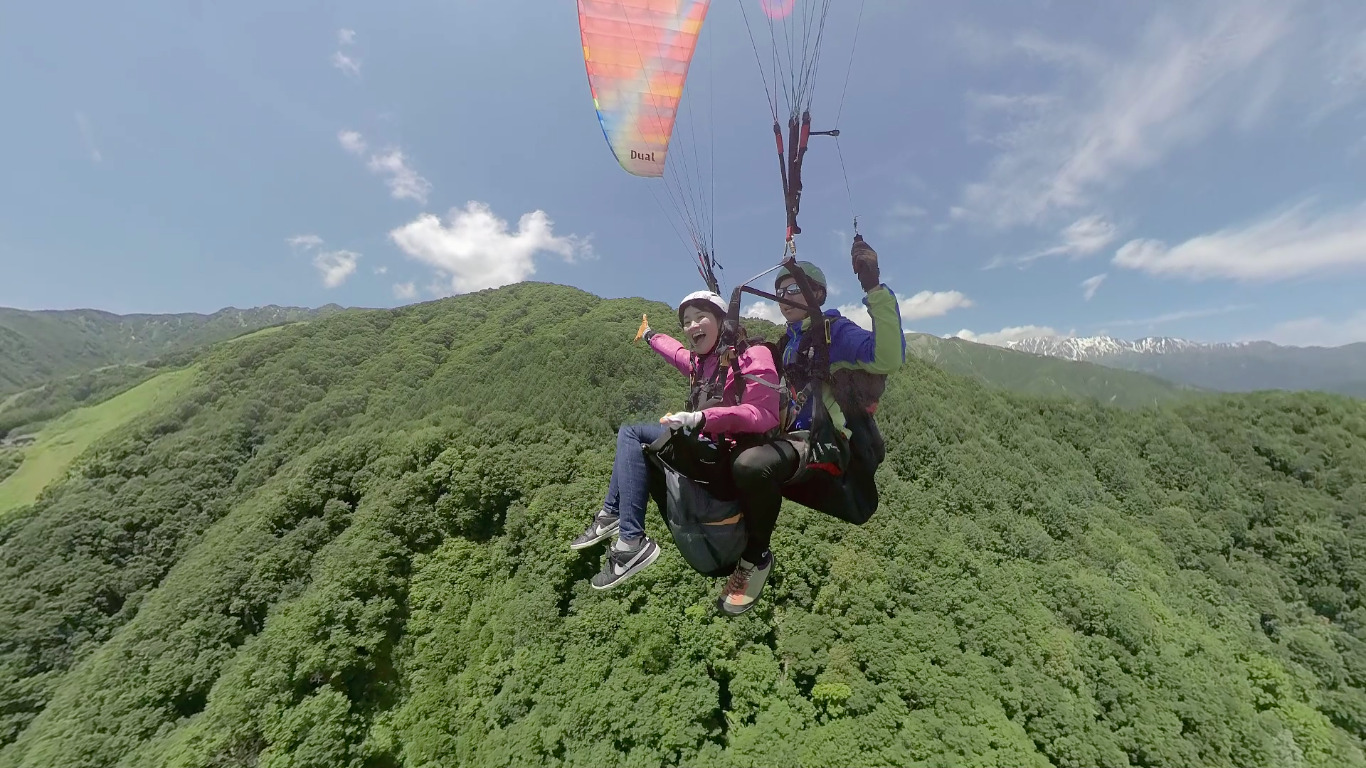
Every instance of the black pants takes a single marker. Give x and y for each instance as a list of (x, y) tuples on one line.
[(763, 474), (759, 473)]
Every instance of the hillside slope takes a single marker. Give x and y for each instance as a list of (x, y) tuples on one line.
[(66, 438), (1032, 374), (347, 545), (36, 346)]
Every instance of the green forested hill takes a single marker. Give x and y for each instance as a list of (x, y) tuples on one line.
[(1038, 375), (36, 346), (346, 545)]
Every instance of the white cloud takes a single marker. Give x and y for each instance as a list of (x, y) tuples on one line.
[(381, 270), (346, 64), (352, 142), (1194, 67), (405, 290), (765, 310), (476, 250), (859, 314), (1083, 237), (1090, 285), (88, 137), (403, 181), (933, 304), (304, 242), (335, 266), (1291, 243), (918, 307), (346, 36), (1014, 333), (1318, 331)]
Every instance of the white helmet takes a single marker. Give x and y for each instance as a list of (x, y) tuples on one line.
[(714, 300)]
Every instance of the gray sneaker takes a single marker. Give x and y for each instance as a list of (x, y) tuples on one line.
[(604, 525), (620, 565)]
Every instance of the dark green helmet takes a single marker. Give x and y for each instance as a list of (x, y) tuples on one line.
[(813, 273)]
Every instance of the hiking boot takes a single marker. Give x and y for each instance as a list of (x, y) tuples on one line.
[(622, 564), (604, 525), (745, 585)]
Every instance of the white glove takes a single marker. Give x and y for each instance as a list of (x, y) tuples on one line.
[(688, 419)]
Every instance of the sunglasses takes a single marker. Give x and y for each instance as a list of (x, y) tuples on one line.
[(791, 290)]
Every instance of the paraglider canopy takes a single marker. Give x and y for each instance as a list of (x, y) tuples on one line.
[(637, 53)]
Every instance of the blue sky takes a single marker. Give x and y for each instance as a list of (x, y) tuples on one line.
[(1200, 164)]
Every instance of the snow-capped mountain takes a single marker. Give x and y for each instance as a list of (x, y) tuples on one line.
[(1230, 367), (1093, 348)]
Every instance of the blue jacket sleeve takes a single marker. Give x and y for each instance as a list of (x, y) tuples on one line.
[(881, 350)]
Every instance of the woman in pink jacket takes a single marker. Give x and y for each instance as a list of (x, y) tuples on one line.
[(712, 411)]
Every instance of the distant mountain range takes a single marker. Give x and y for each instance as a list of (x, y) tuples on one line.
[(36, 346), (1031, 374), (1226, 367)]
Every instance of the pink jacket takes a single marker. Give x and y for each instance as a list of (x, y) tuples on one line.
[(758, 411)]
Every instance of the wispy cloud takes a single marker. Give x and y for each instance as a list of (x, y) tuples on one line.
[(1090, 285), (352, 142), (1183, 314), (403, 181), (335, 266), (476, 250), (902, 219), (304, 242), (1290, 243), (1191, 69), (346, 64), (88, 137), (381, 270), (1317, 331), (1013, 333), (1083, 237), (405, 290)]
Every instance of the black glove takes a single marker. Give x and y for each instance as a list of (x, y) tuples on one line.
[(865, 264)]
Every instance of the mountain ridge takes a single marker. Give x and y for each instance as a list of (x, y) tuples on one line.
[(40, 345), (1240, 366)]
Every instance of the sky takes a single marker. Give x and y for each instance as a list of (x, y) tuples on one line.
[(1032, 167)]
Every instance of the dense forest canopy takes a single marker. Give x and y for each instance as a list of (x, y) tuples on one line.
[(347, 545)]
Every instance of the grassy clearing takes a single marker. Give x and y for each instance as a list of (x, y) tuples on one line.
[(7, 399), (60, 442), (263, 332)]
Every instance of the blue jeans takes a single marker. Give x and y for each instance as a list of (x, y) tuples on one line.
[(629, 490)]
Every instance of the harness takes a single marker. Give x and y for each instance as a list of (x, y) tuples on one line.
[(710, 392)]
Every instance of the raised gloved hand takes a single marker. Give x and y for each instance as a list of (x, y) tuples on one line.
[(865, 264), (685, 419), (644, 332)]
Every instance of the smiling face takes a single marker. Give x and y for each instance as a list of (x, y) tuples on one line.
[(701, 328), (787, 289)]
